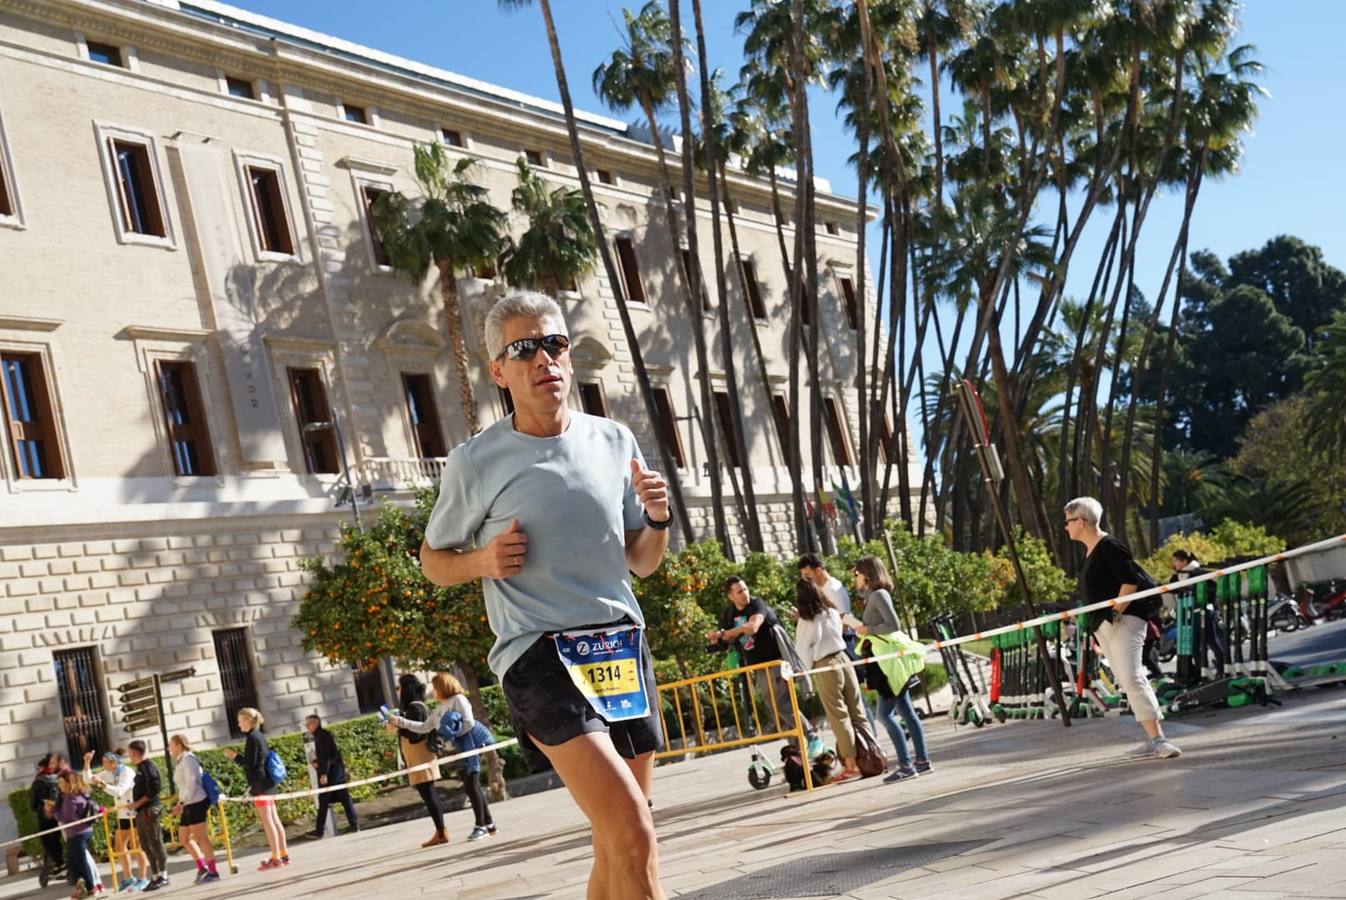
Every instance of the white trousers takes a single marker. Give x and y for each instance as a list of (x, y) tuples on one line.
[(1122, 643)]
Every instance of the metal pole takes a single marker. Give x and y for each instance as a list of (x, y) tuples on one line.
[(163, 726), (346, 473), (982, 444)]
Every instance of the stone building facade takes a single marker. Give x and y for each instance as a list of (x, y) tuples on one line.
[(198, 334)]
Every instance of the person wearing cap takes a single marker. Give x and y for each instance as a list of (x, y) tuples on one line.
[(118, 780)]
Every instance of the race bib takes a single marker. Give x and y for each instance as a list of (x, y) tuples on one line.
[(604, 665)]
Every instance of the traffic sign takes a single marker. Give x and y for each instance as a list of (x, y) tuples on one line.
[(139, 682), (134, 725)]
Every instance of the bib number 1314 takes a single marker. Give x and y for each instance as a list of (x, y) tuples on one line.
[(605, 665)]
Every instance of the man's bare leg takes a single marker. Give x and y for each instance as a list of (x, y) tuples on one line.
[(611, 795)]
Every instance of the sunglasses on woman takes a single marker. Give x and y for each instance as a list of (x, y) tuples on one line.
[(526, 348)]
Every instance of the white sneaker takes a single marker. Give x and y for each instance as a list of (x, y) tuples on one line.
[(1142, 751), (478, 833), (1164, 750)]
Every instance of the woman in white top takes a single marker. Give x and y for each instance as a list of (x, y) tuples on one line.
[(116, 779), (192, 809), (819, 642), (449, 692)]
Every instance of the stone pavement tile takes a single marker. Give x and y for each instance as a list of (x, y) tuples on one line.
[(1337, 889)]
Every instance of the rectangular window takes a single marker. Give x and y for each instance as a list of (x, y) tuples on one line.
[(369, 687), (137, 190), (506, 401), (107, 54), (28, 412), (424, 417), (268, 211), (841, 455), (240, 87), (626, 261), (6, 204), (848, 295), (534, 157), (604, 176), (354, 114), (369, 195), (781, 410), (234, 655), (591, 399), (485, 271), (885, 436), (725, 419), (832, 228), (83, 705), (185, 418), (687, 273), (668, 424), (452, 137), (755, 302), (314, 417)]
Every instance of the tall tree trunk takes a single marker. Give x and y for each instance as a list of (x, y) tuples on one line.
[(867, 466), (596, 224), (453, 318), (692, 277), (752, 523)]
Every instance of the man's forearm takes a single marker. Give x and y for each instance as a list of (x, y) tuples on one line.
[(645, 549), (450, 567), (1125, 590)]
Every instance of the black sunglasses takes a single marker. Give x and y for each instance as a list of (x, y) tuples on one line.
[(526, 348)]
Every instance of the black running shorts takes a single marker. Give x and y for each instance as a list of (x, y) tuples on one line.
[(545, 705), (194, 813)]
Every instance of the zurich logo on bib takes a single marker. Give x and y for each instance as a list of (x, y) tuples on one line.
[(605, 666)]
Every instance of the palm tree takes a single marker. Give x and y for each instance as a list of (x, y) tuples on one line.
[(670, 470), (1325, 386), (558, 247), (451, 226)]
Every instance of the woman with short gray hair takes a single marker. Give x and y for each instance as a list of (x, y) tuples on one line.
[(1110, 571)]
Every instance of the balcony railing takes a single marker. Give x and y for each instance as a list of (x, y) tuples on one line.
[(386, 473)]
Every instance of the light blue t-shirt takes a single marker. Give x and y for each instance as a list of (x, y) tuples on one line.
[(573, 497)]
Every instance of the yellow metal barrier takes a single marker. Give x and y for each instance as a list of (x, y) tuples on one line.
[(223, 831), (111, 854), (710, 728)]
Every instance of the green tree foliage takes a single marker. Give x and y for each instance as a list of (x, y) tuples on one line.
[(1296, 277), (1050, 586), (1228, 540), (1325, 389), (1240, 356), (373, 601), (558, 246)]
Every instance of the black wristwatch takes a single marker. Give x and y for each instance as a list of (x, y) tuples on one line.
[(657, 526)]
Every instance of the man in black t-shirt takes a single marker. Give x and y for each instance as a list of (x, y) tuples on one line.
[(752, 624)]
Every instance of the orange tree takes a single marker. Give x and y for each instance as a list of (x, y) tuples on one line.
[(372, 601)]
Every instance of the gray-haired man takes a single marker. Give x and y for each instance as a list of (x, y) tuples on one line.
[(553, 509)]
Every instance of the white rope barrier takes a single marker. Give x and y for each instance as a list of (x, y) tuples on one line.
[(313, 792), (60, 828), (293, 795), (1183, 585)]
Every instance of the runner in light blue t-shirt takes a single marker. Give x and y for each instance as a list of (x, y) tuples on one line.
[(553, 509)]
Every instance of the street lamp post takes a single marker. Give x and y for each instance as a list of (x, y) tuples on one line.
[(386, 668), (313, 428)]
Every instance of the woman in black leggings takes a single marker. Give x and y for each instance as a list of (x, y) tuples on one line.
[(453, 717), (416, 749)]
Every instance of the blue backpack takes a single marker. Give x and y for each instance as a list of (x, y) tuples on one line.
[(211, 787), (450, 725), (275, 768)]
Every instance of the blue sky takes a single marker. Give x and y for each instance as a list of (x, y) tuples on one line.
[(1290, 181)]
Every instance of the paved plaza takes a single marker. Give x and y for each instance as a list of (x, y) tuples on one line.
[(1255, 807)]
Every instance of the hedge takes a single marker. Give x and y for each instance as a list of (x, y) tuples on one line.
[(367, 747)]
